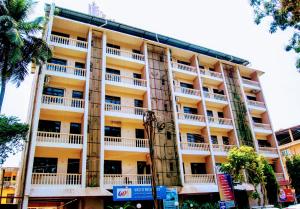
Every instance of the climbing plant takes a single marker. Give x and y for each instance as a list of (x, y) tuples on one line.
[(272, 186)]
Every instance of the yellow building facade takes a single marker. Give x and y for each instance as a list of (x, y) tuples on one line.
[(8, 179), (87, 108)]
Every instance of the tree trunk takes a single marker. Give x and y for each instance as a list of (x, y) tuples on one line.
[(2, 93)]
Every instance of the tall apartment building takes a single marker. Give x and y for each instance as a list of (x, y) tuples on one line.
[(87, 108)]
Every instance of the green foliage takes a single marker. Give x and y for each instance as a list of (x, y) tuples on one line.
[(12, 135), (293, 168), (284, 14), (127, 205), (245, 159), (191, 204), (272, 186), (19, 44)]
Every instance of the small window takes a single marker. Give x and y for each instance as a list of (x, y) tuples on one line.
[(112, 99), (49, 126), (44, 165), (81, 39), (112, 131), (79, 65), (14, 178), (195, 138), (75, 128), (201, 66), (77, 94), (205, 89), (257, 120), (136, 51), (220, 115), (183, 62), (214, 139), (209, 113), (53, 91), (137, 75), (171, 166), (186, 85), (198, 168), (166, 107), (211, 69), (139, 133), (169, 137), (57, 61), (247, 78), (252, 98), (112, 71), (60, 34), (162, 81), (113, 46), (225, 140), (161, 58), (112, 167), (190, 110)]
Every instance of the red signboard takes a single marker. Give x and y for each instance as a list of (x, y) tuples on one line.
[(286, 195), (226, 189)]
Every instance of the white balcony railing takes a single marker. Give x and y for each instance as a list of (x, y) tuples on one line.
[(126, 142), (56, 179), (199, 178), (68, 41), (189, 91), (194, 146), (124, 109), (125, 79), (268, 150), (66, 138), (126, 54), (220, 121), (222, 147), (256, 103), (62, 101), (194, 117), (279, 176), (219, 97), (262, 126), (183, 67), (211, 73), (250, 82), (127, 179), (66, 69)]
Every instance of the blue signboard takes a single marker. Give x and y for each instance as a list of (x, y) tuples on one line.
[(171, 201), (222, 205), (124, 193)]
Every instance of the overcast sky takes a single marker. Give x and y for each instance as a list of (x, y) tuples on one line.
[(226, 26)]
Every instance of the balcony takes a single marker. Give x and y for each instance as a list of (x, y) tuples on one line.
[(123, 58), (251, 84), (256, 106), (215, 98), (191, 119), (127, 112), (68, 43), (199, 179), (262, 128), (62, 140), (222, 123), (187, 93), (62, 103), (111, 180), (65, 71), (211, 74), (222, 149), (56, 179), (270, 152), (125, 83), (184, 70), (191, 148), (126, 144)]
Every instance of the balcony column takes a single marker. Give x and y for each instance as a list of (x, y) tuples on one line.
[(274, 136), (102, 121), (50, 23), (33, 135), (86, 111), (170, 78), (147, 76), (205, 115), (247, 110)]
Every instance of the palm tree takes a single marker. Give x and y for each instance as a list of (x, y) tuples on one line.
[(19, 44)]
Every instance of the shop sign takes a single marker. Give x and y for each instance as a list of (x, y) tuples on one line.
[(171, 200), (124, 193), (226, 190), (286, 195)]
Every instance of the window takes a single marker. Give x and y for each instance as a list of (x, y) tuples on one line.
[(166, 107), (60, 34), (44, 165), (49, 126), (169, 136), (253, 98), (244, 77), (112, 131), (139, 133), (136, 81), (112, 167), (209, 113), (112, 100), (225, 140), (263, 143), (57, 61), (75, 128), (10, 199), (80, 43), (53, 91), (171, 166), (79, 65), (136, 51), (143, 168), (162, 81), (257, 120), (211, 69), (73, 166), (190, 110), (186, 85), (77, 94), (137, 75), (205, 89), (138, 103), (201, 66), (14, 178), (218, 91), (214, 139), (195, 138), (183, 62), (220, 115), (6, 178), (112, 71), (113, 46), (198, 168)]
